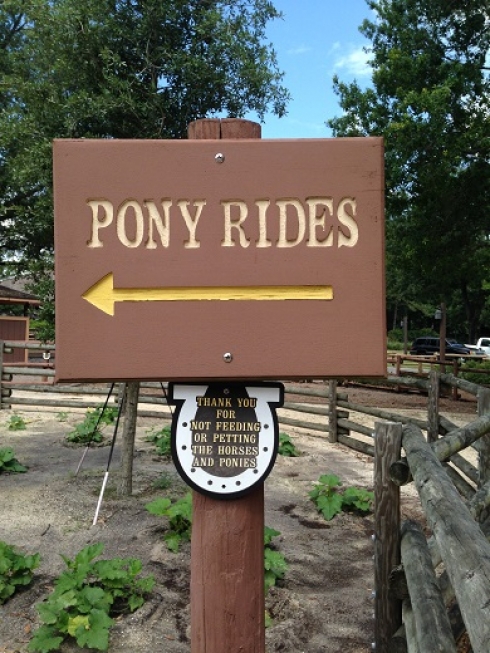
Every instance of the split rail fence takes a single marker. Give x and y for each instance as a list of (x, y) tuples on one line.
[(428, 591)]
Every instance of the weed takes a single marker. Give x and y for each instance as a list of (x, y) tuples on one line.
[(287, 446), (8, 461), (85, 597), (275, 565), (16, 570), (17, 423), (62, 416), (330, 500), (179, 515), (164, 482), (161, 440), (89, 430)]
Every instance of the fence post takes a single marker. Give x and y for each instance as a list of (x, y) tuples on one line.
[(332, 411), (483, 446), (387, 609), (125, 488), (433, 406)]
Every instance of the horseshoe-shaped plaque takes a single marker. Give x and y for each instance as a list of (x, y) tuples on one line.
[(225, 435)]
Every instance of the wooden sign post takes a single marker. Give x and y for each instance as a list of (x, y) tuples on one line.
[(227, 545), (230, 260)]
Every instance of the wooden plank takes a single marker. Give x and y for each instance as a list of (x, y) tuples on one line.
[(386, 530)]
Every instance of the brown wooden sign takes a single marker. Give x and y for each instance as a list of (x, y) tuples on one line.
[(192, 260), (225, 435)]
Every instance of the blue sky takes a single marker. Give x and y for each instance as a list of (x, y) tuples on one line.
[(315, 40)]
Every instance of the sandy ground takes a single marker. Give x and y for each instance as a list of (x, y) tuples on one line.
[(322, 606)]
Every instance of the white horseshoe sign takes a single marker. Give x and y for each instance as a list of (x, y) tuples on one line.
[(225, 435)]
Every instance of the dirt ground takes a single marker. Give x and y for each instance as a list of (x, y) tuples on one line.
[(323, 605)]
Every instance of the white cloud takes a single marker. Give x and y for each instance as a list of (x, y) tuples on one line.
[(353, 62), (301, 49)]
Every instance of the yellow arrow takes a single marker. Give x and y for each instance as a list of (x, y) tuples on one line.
[(103, 295)]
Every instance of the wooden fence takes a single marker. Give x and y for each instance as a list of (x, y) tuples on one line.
[(427, 591)]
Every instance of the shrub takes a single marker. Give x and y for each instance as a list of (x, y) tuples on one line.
[(482, 378), (161, 439), (16, 570), (287, 446), (85, 597), (179, 515), (330, 499), (17, 423), (275, 565), (8, 461), (90, 430)]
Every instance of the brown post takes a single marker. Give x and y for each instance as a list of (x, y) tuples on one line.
[(332, 411), (227, 548), (125, 488), (442, 338), (387, 533), (433, 406)]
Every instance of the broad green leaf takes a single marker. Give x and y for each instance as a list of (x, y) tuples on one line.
[(173, 541), (45, 640), (135, 602), (269, 533), (329, 506), (97, 636), (80, 621)]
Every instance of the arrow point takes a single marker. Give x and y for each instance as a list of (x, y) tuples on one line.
[(101, 294)]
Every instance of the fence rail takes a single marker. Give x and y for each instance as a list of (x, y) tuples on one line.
[(410, 597)]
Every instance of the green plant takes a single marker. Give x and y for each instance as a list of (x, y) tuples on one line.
[(62, 416), (275, 565), (85, 597), (330, 500), (16, 570), (90, 430), (16, 423), (8, 461), (469, 373), (163, 482), (161, 440), (179, 515), (287, 446)]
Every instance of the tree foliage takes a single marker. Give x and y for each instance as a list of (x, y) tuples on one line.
[(116, 69), (430, 100)]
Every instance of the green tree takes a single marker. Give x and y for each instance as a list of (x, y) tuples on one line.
[(116, 69), (430, 100)]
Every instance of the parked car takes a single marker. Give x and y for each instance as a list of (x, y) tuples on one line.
[(428, 346), (481, 347)]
